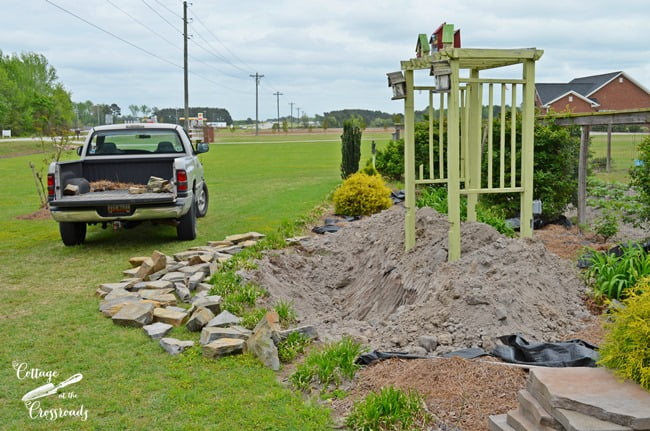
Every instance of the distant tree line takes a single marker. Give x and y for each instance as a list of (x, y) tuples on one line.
[(32, 100)]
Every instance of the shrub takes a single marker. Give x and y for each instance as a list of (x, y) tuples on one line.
[(361, 194), (626, 349), (606, 225), (390, 409), (436, 198), (615, 277), (329, 365), (350, 147), (640, 178)]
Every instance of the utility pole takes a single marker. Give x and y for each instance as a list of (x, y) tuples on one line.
[(277, 94), (187, 96), (291, 118), (257, 77), (298, 116)]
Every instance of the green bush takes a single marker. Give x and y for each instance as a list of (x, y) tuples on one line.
[(606, 225), (640, 178), (615, 277), (626, 348), (390, 161), (361, 194), (328, 366), (286, 312), (436, 198), (555, 177), (389, 409)]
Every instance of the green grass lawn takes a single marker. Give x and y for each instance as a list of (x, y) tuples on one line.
[(624, 152), (50, 321)]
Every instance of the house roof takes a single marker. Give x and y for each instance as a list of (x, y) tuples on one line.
[(583, 87)]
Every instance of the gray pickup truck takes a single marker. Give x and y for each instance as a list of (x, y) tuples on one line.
[(111, 183)]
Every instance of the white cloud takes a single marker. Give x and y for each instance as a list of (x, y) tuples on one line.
[(321, 55)]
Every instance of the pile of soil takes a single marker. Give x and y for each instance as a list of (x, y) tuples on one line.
[(360, 281)]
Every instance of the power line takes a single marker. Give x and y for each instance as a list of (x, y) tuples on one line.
[(142, 24), (158, 13), (134, 45), (168, 9), (114, 35), (222, 44)]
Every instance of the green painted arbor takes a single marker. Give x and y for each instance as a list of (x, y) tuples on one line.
[(462, 140)]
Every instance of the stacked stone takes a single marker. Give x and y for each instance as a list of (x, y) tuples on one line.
[(150, 295), (577, 399)]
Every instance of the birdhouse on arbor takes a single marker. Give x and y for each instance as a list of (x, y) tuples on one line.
[(422, 46), (445, 37), (397, 82)]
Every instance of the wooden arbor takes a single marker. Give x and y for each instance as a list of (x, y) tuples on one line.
[(461, 141)]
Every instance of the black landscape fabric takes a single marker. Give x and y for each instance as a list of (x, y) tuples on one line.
[(573, 353)]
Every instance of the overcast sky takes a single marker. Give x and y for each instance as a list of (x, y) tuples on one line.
[(321, 55)]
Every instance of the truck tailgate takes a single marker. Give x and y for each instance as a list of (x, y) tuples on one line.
[(113, 197)]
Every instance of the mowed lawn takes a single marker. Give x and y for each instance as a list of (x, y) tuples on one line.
[(624, 152), (49, 318)]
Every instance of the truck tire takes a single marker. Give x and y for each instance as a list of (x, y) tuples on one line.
[(72, 233), (186, 228), (202, 200)]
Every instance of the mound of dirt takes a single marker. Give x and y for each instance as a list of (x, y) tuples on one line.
[(360, 281)]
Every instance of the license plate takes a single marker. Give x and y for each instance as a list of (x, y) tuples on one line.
[(119, 209)]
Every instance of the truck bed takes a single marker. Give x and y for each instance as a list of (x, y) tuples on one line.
[(113, 197)]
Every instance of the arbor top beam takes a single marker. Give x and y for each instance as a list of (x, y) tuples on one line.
[(632, 116), (475, 58)]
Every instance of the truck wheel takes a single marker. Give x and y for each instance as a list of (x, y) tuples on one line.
[(186, 228), (202, 201), (72, 233)]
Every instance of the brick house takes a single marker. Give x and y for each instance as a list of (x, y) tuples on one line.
[(606, 92)]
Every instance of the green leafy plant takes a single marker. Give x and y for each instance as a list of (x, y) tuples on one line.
[(606, 225), (292, 346), (329, 365), (286, 312), (251, 318), (614, 277), (436, 198), (640, 178), (389, 409), (626, 349), (361, 194)]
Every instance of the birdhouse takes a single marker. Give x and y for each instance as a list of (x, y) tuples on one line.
[(422, 46), (397, 82), (445, 37), (441, 70)]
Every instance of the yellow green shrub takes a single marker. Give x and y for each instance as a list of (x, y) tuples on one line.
[(626, 349), (361, 194)]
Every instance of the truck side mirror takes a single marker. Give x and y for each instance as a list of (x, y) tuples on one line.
[(202, 147), (79, 150)]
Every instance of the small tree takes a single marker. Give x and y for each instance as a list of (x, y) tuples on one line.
[(350, 148)]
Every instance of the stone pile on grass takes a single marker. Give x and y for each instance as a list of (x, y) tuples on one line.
[(161, 292)]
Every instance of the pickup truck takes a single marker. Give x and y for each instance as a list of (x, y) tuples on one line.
[(128, 157)]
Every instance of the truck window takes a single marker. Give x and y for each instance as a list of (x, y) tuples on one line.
[(125, 142)]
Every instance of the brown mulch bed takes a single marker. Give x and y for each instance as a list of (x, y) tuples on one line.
[(568, 243), (460, 393)]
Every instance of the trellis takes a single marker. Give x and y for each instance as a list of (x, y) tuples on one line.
[(462, 141)]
